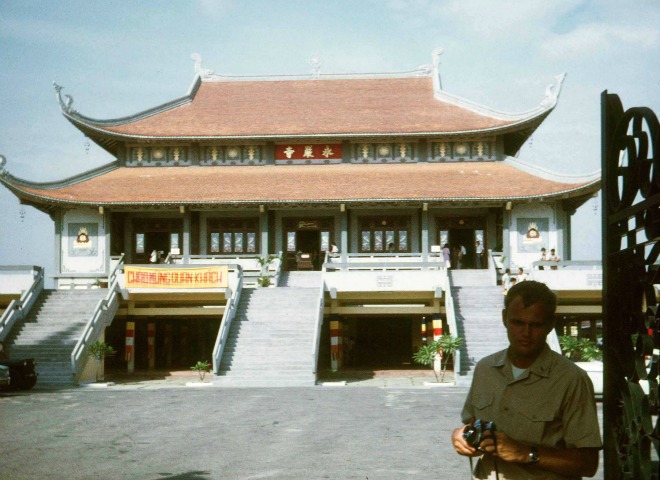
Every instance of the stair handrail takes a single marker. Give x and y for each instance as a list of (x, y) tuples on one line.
[(492, 268), (450, 312), (227, 318), (117, 269), (319, 320), (104, 312), (18, 309)]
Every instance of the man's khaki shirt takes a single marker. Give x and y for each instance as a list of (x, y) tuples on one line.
[(551, 404)]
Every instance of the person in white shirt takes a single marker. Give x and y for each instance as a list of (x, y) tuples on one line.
[(522, 276)]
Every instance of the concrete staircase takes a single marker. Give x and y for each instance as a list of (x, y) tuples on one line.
[(51, 331), (271, 339), (478, 306)]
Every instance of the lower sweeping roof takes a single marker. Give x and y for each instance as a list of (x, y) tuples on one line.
[(197, 185)]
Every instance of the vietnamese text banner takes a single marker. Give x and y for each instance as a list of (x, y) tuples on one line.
[(202, 277)]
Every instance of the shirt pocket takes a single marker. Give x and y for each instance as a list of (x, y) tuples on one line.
[(534, 423), (482, 404)]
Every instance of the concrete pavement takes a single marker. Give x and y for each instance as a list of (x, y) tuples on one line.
[(165, 430)]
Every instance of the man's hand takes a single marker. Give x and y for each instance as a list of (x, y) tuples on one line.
[(461, 446), (504, 447)]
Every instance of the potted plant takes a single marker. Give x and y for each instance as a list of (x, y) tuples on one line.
[(587, 355), (443, 348), (263, 281), (99, 350), (202, 368)]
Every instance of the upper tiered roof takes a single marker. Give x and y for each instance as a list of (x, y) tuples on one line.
[(315, 106)]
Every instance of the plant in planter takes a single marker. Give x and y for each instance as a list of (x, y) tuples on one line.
[(263, 281), (580, 349), (202, 368), (587, 355), (444, 347), (264, 262), (99, 350)]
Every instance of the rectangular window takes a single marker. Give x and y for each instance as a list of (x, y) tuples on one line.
[(389, 239), (215, 242), (403, 240), (251, 242), (226, 242), (139, 243), (366, 241), (325, 241), (174, 241), (290, 241), (238, 242), (378, 240)]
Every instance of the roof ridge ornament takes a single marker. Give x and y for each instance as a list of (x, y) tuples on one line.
[(315, 62), (3, 162), (202, 72), (65, 106), (435, 56), (552, 95)]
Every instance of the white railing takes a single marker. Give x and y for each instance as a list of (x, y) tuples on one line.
[(493, 269), (119, 266), (319, 321), (227, 319), (382, 261), (450, 313), (18, 309), (103, 314), (569, 275)]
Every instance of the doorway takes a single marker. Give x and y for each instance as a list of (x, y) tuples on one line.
[(464, 237), (309, 241)]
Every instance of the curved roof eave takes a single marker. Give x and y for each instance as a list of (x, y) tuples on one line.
[(591, 187)]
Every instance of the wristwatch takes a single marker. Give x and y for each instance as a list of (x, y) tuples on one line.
[(534, 456)]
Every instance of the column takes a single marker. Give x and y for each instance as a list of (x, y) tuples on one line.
[(437, 333), (151, 345), (425, 232), (335, 343), (263, 231), (186, 237), (343, 221), (129, 350)]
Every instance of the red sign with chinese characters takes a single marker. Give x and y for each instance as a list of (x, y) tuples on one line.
[(308, 151)]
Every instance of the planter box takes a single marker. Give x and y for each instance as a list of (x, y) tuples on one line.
[(595, 371)]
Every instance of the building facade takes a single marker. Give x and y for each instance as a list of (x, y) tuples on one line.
[(386, 167)]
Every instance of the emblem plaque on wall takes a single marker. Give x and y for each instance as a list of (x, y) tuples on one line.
[(83, 239)]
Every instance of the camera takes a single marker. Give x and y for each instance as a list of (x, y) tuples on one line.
[(474, 434)]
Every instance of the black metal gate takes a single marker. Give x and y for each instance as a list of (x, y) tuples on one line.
[(631, 234)]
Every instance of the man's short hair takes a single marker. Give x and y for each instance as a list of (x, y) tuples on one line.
[(531, 292)]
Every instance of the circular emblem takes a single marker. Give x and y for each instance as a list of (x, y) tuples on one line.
[(461, 149), (383, 150), (158, 154), (232, 152)]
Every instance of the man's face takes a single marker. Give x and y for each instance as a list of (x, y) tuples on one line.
[(526, 329)]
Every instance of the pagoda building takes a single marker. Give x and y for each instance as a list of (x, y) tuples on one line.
[(378, 165)]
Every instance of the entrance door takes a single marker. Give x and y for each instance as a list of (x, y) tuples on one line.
[(459, 231), (311, 236), (160, 235), (309, 241)]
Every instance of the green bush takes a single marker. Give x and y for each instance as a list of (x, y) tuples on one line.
[(426, 355), (202, 368), (580, 349)]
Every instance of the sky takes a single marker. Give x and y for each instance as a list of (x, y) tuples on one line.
[(116, 58)]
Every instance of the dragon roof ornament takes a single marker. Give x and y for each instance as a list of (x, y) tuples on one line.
[(3, 162), (201, 72), (552, 94), (65, 105)]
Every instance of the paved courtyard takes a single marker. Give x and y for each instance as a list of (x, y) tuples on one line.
[(386, 428)]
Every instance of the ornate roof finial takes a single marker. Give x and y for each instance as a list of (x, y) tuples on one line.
[(435, 55), (3, 162), (202, 72), (65, 106), (552, 94), (315, 62)]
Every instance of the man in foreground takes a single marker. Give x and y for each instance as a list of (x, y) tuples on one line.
[(541, 404)]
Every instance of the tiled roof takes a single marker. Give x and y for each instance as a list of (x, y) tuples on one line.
[(306, 107), (302, 183)]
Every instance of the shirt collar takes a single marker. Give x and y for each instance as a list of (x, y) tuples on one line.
[(540, 367)]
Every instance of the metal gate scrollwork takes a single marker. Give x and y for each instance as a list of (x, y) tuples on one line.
[(631, 288)]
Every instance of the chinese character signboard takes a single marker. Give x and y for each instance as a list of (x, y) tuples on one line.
[(189, 278), (309, 151)]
